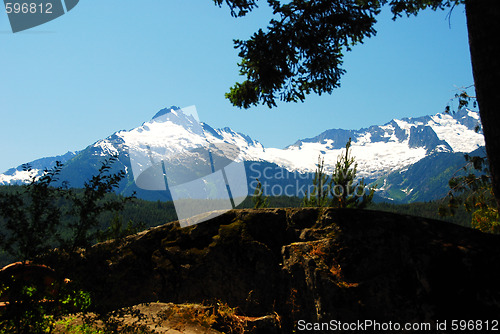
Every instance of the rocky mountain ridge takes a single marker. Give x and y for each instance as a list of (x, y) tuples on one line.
[(379, 150)]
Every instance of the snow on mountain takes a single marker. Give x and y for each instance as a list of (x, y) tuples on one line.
[(177, 135), (19, 175), (379, 149), (458, 130)]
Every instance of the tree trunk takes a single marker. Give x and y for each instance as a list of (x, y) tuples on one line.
[(483, 24)]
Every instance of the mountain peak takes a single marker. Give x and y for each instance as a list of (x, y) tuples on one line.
[(165, 111)]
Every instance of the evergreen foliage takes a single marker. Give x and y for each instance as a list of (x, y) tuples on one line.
[(303, 47), (258, 199), (473, 191), (319, 194), (424, 209), (345, 191), (117, 229), (465, 100), (274, 202)]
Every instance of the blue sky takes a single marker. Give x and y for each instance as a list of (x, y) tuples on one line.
[(109, 65)]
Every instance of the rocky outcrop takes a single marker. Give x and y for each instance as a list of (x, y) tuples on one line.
[(311, 264)]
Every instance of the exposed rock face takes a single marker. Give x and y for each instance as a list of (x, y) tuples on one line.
[(309, 264)]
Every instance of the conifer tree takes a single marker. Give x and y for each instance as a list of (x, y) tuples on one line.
[(319, 193), (258, 199), (346, 193)]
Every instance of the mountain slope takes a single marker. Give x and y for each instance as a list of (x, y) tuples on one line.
[(19, 175), (175, 137), (426, 180)]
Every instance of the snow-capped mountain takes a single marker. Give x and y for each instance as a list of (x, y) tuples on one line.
[(20, 174), (379, 149)]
